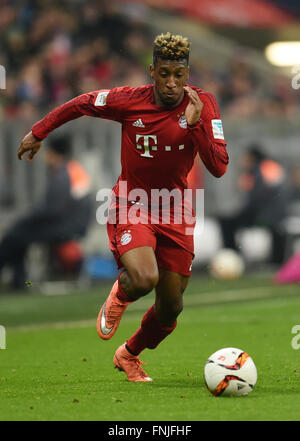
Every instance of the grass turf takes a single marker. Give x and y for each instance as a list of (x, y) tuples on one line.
[(66, 373)]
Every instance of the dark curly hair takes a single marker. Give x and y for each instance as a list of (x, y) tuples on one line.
[(171, 47)]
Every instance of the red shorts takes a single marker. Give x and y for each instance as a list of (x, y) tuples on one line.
[(173, 249)]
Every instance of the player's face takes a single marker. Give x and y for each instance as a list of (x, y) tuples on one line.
[(169, 77)]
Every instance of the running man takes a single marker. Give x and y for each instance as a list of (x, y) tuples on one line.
[(164, 126)]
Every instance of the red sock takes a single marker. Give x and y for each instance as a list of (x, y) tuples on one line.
[(150, 334), (121, 294)]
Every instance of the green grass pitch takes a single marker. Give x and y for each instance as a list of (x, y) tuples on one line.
[(55, 367)]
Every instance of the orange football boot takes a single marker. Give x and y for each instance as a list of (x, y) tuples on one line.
[(110, 314), (130, 364)]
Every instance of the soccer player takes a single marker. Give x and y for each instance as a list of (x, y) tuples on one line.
[(164, 126)]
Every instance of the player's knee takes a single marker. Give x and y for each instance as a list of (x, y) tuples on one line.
[(144, 281)]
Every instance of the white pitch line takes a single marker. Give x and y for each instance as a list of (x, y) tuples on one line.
[(231, 296), (209, 298)]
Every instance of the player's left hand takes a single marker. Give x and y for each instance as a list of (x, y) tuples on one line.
[(194, 108), (29, 144)]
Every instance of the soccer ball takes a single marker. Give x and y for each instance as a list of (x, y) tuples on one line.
[(230, 372), (227, 264)]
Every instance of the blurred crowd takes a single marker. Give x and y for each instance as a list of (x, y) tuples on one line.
[(269, 199), (55, 50), (243, 92)]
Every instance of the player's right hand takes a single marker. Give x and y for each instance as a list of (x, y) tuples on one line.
[(29, 144)]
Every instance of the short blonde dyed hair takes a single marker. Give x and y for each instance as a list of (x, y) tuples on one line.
[(171, 47)]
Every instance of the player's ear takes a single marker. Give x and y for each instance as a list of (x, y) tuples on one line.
[(151, 70)]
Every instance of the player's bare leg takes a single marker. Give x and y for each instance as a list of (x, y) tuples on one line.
[(158, 322), (138, 279), (141, 274), (168, 300)]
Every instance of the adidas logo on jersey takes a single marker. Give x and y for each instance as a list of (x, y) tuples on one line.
[(138, 123)]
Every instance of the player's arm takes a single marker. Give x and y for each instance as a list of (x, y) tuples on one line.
[(90, 104), (205, 126)]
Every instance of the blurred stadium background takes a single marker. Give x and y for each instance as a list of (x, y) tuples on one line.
[(55, 50)]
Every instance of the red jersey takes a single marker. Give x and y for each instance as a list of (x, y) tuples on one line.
[(158, 147)]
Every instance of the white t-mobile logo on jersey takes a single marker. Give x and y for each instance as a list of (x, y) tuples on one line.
[(146, 145)]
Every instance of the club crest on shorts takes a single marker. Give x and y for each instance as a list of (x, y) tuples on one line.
[(126, 238)]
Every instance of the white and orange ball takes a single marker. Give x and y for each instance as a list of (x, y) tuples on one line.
[(230, 372)]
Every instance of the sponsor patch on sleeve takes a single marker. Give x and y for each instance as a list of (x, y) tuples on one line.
[(217, 128), (101, 98)]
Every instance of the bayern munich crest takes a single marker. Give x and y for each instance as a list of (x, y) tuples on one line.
[(182, 122), (126, 238)]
